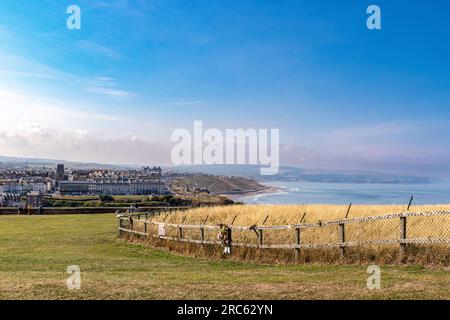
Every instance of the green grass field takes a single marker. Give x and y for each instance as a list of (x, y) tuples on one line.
[(35, 252)]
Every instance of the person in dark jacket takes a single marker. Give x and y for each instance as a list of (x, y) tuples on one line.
[(225, 237)]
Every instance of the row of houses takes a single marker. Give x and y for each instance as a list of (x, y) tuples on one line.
[(33, 199), (11, 200), (24, 188), (112, 187)]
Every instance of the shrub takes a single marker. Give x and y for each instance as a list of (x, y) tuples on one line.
[(106, 198)]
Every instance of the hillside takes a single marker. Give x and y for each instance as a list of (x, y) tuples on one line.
[(21, 161), (309, 175), (285, 173), (217, 184)]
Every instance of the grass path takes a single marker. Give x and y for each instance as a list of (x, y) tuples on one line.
[(35, 252)]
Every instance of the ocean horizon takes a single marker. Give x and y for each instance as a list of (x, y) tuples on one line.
[(300, 192)]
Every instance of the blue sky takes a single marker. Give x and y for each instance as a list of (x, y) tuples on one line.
[(342, 96)]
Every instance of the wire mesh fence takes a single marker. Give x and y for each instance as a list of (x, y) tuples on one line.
[(405, 234)]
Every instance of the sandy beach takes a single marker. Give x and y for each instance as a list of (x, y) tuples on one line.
[(237, 196)]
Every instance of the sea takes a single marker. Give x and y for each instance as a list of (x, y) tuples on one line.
[(356, 193)]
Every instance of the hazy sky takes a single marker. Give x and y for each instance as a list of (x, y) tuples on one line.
[(342, 96)]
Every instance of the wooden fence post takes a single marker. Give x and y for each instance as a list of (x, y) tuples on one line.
[(342, 239), (402, 236), (348, 210), (297, 242), (131, 223), (410, 202), (202, 234), (120, 226), (145, 227), (261, 238), (180, 228), (230, 239), (180, 232)]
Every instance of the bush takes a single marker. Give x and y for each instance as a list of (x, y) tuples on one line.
[(106, 198)]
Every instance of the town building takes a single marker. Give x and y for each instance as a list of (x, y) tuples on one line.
[(127, 188), (11, 200), (60, 172), (37, 186), (23, 187), (155, 171), (74, 187), (112, 187), (14, 188)]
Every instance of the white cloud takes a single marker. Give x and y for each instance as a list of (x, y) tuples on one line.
[(110, 92), (34, 126), (184, 102), (16, 106), (14, 65), (34, 141), (374, 130), (107, 86), (95, 48)]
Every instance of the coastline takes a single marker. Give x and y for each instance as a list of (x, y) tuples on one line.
[(239, 195), (297, 192)]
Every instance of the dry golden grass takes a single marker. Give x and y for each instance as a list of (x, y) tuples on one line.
[(437, 227), (289, 214)]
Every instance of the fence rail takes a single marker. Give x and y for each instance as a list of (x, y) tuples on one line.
[(143, 227)]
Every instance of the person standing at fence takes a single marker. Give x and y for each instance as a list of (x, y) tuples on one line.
[(225, 237)]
